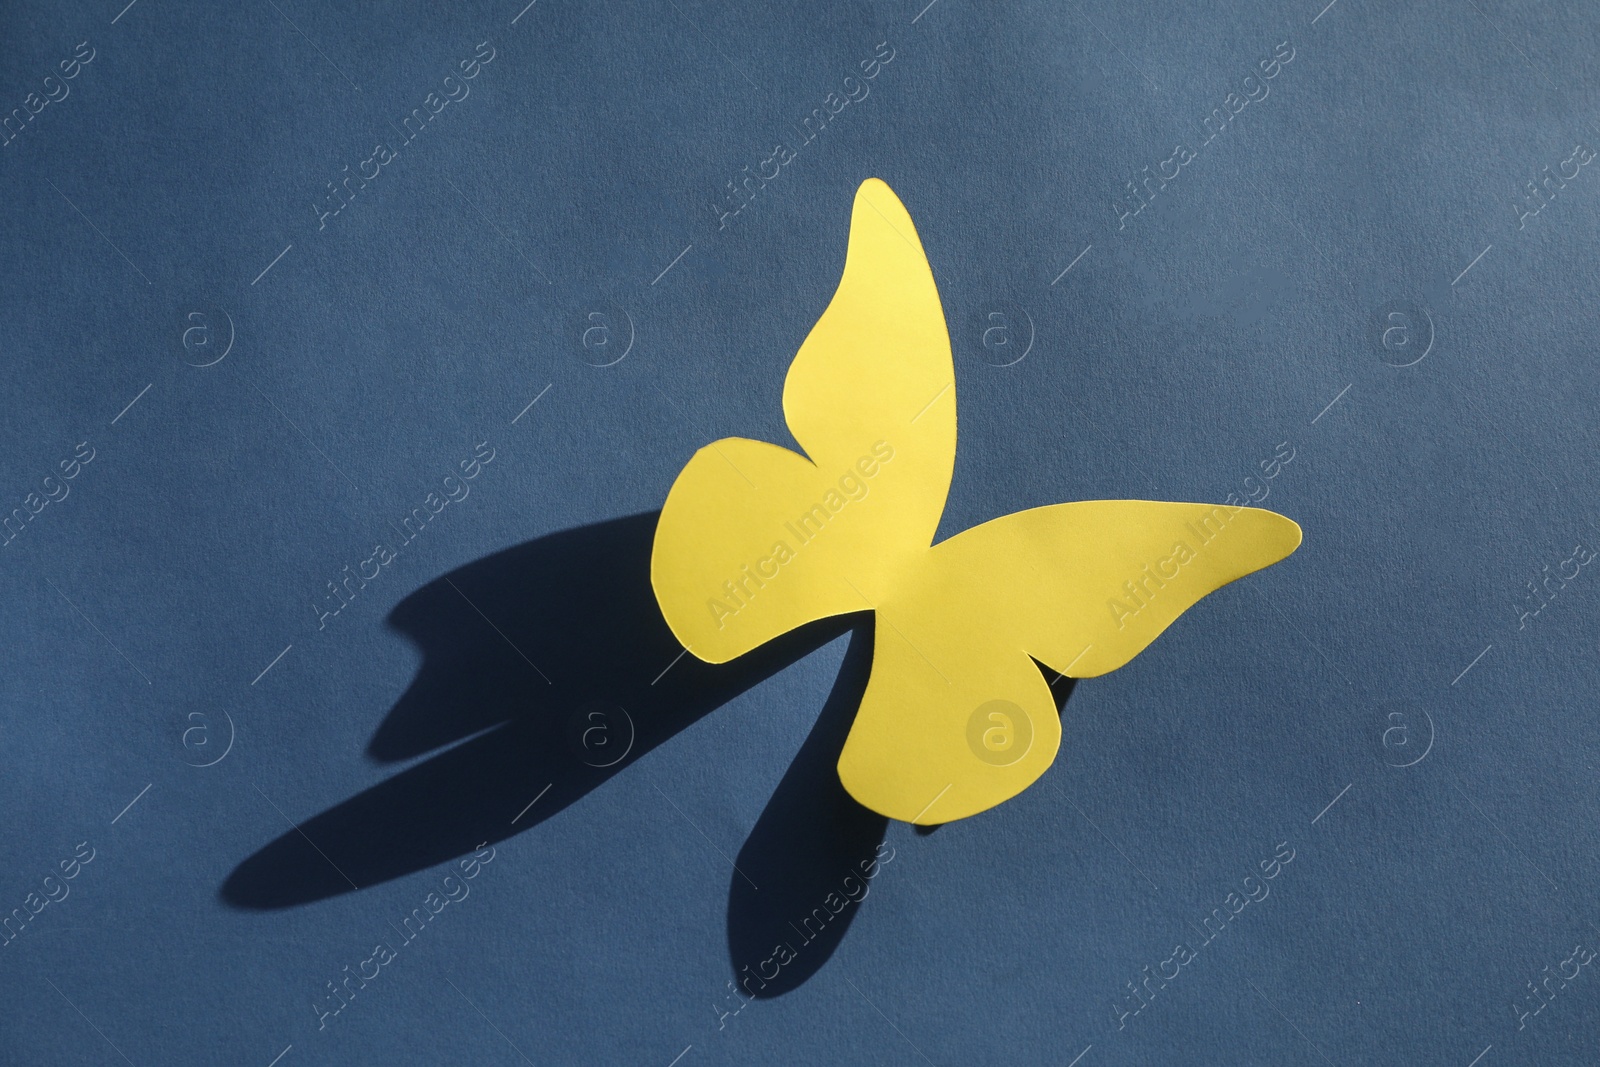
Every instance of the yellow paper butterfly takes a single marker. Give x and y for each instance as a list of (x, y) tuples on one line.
[(755, 540)]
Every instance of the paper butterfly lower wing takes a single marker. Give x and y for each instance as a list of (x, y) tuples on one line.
[(957, 716), (755, 540)]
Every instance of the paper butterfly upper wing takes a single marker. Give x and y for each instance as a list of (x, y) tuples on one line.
[(755, 540)]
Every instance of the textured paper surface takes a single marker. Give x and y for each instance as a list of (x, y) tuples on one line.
[(1343, 303)]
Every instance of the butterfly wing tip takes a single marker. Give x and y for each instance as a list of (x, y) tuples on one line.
[(1293, 535), (876, 193), (1284, 533)]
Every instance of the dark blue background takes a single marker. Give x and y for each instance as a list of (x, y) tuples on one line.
[(1175, 355)]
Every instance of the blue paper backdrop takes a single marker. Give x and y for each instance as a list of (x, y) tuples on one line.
[(432, 304)]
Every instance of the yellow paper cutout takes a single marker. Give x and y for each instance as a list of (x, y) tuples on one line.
[(755, 540)]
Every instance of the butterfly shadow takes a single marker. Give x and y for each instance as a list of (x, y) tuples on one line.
[(547, 669)]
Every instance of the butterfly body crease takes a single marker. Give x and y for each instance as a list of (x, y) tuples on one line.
[(755, 540)]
